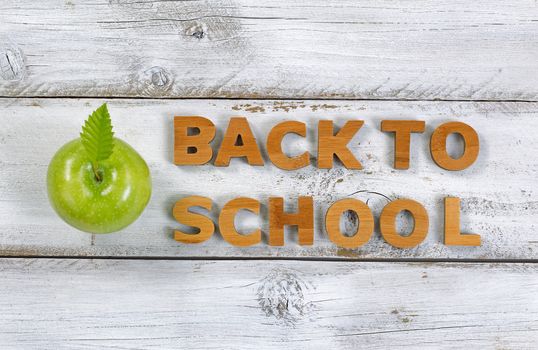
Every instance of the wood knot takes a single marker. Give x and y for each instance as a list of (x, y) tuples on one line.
[(12, 66), (158, 76), (198, 31), (281, 294), (199, 34)]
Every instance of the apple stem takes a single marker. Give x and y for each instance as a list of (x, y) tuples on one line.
[(95, 168)]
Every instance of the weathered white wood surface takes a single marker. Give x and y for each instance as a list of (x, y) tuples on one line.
[(436, 50), (499, 192), (472, 50), (140, 304)]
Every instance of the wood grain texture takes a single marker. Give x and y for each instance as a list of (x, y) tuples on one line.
[(121, 304), (333, 145), (470, 150), (238, 142), (499, 192), (470, 50), (204, 225), (402, 130), (453, 234), (388, 223), (302, 219), (274, 146), (227, 222), (193, 149), (365, 218)]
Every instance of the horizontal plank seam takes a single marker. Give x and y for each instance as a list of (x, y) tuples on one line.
[(266, 258), (408, 330), (266, 99)]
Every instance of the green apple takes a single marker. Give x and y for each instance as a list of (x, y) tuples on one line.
[(98, 197)]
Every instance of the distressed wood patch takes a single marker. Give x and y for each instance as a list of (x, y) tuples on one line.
[(303, 305), (268, 49)]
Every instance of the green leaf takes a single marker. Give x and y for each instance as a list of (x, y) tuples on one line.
[(97, 136)]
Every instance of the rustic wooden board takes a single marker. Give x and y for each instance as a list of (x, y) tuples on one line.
[(471, 50), (498, 193), (137, 304)]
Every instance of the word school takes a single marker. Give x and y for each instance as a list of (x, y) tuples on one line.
[(192, 146)]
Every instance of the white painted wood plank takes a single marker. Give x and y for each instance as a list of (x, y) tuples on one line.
[(137, 304), (478, 50), (499, 192)]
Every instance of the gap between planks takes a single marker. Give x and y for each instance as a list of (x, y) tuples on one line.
[(279, 258), (268, 98)]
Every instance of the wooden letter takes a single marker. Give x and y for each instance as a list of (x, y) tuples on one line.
[(303, 219), (388, 225), (438, 146), (366, 223), (238, 142), (330, 145), (274, 146), (402, 130), (226, 222), (193, 149), (183, 215), (453, 236)]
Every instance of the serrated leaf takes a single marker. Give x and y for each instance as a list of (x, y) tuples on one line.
[(97, 136)]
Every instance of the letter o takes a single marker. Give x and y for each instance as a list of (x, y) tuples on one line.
[(366, 223), (438, 146), (388, 225)]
